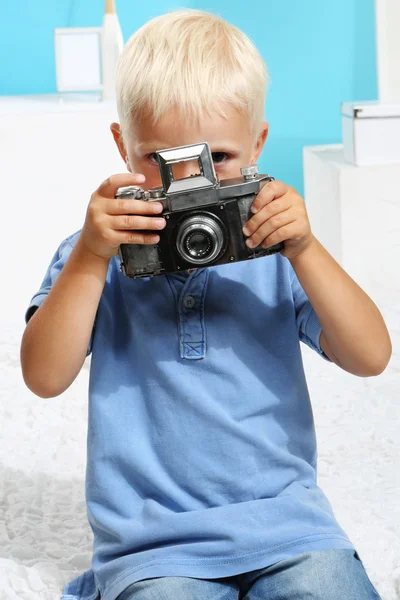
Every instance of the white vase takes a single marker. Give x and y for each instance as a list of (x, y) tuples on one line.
[(112, 44)]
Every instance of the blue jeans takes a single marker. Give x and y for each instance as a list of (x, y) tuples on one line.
[(317, 575)]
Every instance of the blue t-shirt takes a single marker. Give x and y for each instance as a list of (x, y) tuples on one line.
[(201, 447)]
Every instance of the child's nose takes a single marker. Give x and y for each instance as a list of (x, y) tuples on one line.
[(186, 169)]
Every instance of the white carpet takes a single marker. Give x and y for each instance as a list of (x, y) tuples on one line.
[(45, 538)]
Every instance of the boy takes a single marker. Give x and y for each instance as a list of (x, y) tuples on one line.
[(201, 464)]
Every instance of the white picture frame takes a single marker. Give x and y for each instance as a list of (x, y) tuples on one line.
[(78, 59)]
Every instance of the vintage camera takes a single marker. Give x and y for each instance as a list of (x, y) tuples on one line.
[(204, 217)]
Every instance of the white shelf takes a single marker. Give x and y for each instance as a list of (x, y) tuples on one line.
[(53, 155), (58, 103), (355, 213)]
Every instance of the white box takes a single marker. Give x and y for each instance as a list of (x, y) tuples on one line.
[(371, 133)]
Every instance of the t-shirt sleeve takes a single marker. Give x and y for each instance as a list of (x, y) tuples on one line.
[(307, 320), (57, 262)]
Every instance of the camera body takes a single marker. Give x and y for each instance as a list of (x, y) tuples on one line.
[(204, 217)]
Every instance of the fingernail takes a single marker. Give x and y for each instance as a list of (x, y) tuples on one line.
[(250, 243), (253, 209), (158, 207), (160, 223), (140, 178), (246, 231)]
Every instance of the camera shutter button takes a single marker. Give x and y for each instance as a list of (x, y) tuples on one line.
[(249, 172), (189, 302)]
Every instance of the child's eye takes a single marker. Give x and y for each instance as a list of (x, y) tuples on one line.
[(218, 157), (152, 157)]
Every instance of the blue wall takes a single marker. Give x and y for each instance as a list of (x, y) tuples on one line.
[(318, 52)]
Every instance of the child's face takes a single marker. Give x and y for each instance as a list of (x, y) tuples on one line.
[(231, 144)]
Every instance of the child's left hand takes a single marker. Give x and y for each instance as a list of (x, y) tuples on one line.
[(281, 216)]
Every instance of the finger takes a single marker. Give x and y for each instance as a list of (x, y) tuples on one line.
[(268, 227), (125, 206), (110, 186), (135, 222), (270, 191), (282, 234), (265, 213), (135, 237)]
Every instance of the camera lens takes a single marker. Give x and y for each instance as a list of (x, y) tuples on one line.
[(198, 244), (199, 239)]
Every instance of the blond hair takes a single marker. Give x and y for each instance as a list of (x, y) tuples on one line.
[(192, 60)]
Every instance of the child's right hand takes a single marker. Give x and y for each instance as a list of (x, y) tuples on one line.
[(110, 222)]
